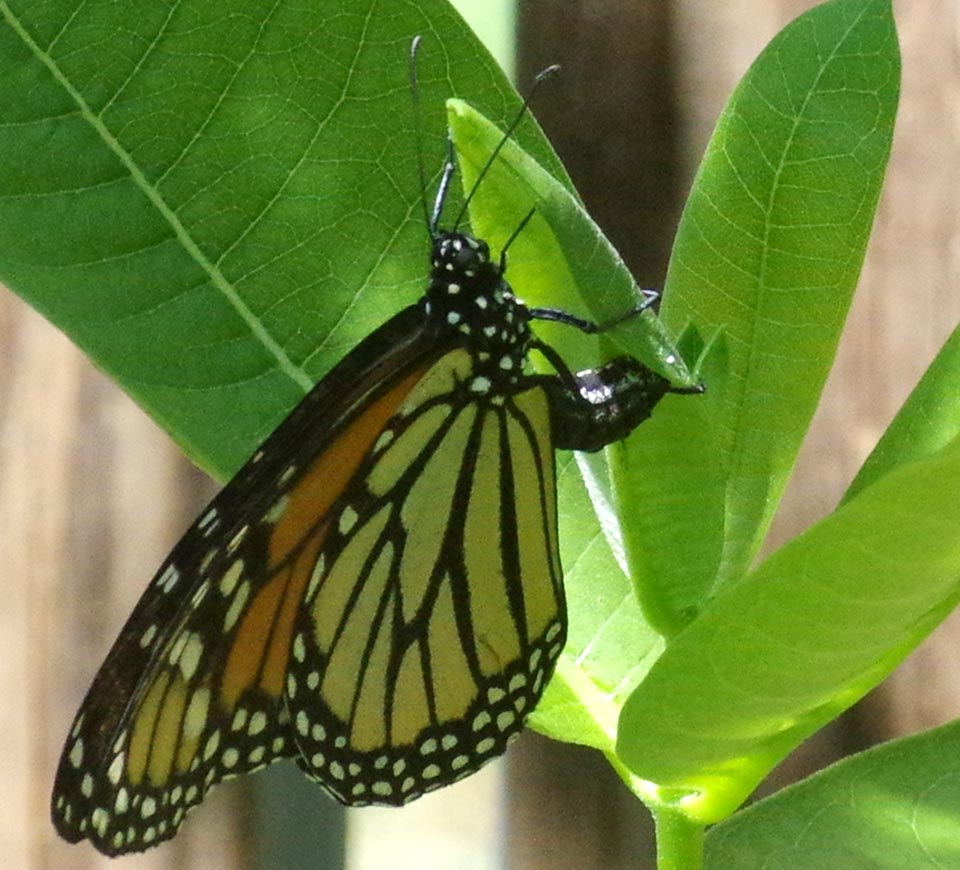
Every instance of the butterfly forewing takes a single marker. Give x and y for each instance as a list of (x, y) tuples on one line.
[(441, 579), (192, 691)]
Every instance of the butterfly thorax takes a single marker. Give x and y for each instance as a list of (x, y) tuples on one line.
[(469, 297)]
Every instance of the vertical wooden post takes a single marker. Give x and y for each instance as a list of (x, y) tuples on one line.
[(611, 115)]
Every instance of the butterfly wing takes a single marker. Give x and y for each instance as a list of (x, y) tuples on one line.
[(435, 616), (192, 691)]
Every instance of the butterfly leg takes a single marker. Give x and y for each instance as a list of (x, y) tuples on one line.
[(651, 300)]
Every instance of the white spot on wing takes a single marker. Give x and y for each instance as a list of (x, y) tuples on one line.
[(76, 752), (236, 606), (277, 509), (208, 522), (192, 651), (237, 539), (115, 771), (169, 578), (228, 581)]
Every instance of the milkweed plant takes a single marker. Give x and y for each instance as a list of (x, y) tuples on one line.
[(216, 206)]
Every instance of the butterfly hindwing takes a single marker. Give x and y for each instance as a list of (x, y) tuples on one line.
[(435, 615)]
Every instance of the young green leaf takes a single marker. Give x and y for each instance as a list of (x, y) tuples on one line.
[(891, 807), (817, 625), (560, 258)]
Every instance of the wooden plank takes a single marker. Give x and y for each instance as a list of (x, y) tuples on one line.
[(92, 495)]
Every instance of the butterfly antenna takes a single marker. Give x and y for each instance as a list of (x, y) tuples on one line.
[(513, 237), (541, 76), (430, 216), (418, 131), (449, 167)]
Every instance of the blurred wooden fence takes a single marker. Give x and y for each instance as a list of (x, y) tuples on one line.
[(92, 495)]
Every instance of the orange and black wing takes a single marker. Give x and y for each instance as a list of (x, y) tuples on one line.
[(379, 598), (192, 692)]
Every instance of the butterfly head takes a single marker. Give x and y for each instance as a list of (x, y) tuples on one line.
[(469, 296), (460, 258)]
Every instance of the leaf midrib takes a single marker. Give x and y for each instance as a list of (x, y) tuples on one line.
[(738, 454), (217, 278)]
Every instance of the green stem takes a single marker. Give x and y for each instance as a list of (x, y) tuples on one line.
[(679, 841)]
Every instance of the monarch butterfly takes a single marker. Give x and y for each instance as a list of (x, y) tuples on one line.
[(377, 592)]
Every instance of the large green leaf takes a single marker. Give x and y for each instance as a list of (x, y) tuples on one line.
[(822, 621), (216, 200), (768, 253), (247, 205), (890, 808)]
